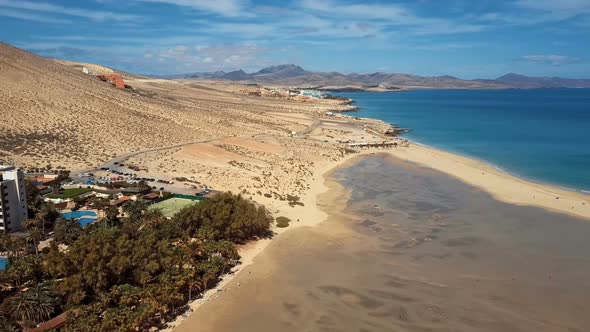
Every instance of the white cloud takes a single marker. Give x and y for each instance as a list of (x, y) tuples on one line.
[(249, 29), (392, 16), (532, 12), (222, 7), (373, 11), (21, 15), (552, 59), (60, 10), (212, 57), (574, 6)]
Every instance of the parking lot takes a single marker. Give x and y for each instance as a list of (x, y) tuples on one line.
[(120, 172)]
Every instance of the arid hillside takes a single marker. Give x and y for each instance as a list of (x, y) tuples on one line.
[(54, 114)]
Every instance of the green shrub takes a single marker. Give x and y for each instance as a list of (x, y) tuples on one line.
[(282, 222), (228, 217)]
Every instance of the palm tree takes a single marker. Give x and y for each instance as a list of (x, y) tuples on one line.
[(13, 246), (46, 215), (135, 210), (6, 282), (67, 231), (153, 218), (32, 306), (30, 223), (101, 204), (195, 284), (6, 325), (143, 186), (35, 236)]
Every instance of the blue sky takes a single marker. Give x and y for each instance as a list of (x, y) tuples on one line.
[(464, 38)]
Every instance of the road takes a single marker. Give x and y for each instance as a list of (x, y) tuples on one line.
[(113, 164)]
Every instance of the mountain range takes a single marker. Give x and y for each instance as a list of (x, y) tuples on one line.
[(294, 75)]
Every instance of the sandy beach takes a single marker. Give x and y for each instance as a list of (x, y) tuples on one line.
[(501, 185), (358, 271), (327, 198)]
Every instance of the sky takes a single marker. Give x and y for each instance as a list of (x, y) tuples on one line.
[(464, 38)]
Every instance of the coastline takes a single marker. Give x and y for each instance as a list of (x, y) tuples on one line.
[(486, 127), (319, 204), (502, 186), (501, 170), (410, 237), (499, 184)]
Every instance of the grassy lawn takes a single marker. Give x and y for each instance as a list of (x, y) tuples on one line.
[(171, 206), (69, 193)]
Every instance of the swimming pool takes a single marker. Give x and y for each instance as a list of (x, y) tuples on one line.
[(3, 263), (85, 221), (83, 217), (78, 214)]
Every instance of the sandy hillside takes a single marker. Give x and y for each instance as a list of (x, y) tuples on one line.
[(53, 114), (97, 69)]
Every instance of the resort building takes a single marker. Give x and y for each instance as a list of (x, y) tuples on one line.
[(312, 93), (13, 199)]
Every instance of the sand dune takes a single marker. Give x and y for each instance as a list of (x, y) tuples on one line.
[(56, 115)]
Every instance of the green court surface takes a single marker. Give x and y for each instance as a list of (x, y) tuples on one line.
[(172, 205)]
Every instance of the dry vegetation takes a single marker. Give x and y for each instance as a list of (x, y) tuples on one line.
[(53, 114)]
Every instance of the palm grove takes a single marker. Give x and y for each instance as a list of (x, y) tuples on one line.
[(123, 273)]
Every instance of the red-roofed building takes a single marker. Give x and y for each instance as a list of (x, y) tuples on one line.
[(121, 200), (151, 196), (43, 189), (116, 80)]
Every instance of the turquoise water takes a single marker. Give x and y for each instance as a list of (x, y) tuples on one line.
[(3, 263), (85, 221), (83, 217), (542, 135)]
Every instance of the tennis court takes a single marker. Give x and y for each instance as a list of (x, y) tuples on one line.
[(172, 205)]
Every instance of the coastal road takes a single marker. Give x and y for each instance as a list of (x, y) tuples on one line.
[(121, 158), (316, 123)]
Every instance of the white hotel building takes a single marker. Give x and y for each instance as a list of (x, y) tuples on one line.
[(13, 200)]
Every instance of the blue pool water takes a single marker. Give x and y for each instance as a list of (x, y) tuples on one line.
[(542, 135), (3, 263), (85, 221), (83, 217)]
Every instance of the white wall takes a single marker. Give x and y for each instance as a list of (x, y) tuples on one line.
[(14, 198)]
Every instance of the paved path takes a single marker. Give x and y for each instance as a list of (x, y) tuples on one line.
[(123, 157)]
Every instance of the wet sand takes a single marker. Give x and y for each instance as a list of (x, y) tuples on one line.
[(407, 248)]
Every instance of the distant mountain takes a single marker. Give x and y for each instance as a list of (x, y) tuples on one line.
[(214, 74), (529, 82), (236, 75), (282, 71), (293, 75)]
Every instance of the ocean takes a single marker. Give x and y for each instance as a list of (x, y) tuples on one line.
[(541, 135)]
